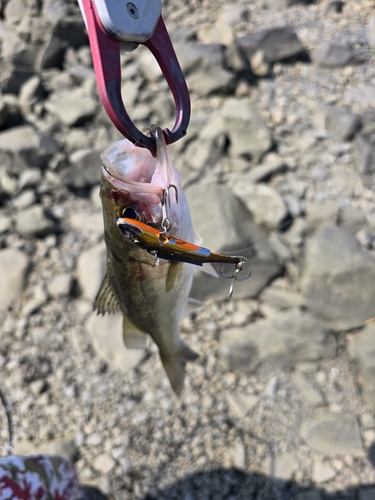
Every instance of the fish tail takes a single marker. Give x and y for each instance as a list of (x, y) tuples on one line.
[(175, 366)]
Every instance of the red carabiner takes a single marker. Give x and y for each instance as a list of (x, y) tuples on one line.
[(106, 59)]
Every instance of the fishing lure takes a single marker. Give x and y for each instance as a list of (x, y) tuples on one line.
[(167, 247), (164, 246)]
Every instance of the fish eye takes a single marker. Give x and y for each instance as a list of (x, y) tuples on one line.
[(130, 213)]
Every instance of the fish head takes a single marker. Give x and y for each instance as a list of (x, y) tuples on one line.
[(133, 184)]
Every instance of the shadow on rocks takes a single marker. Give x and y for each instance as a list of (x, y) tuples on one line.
[(232, 484), (371, 453), (90, 493)]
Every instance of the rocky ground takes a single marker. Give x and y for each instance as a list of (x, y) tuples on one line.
[(279, 161)]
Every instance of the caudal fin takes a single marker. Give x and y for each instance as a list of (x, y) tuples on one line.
[(175, 366)]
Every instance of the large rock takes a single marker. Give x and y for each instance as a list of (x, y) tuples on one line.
[(25, 58), (333, 435), (362, 349), (276, 44), (35, 148), (213, 80), (197, 56), (352, 219), (271, 165), (55, 10), (91, 268), (263, 202), (88, 222), (106, 337), (31, 92), (338, 281), (227, 226), (60, 285), (14, 11), (20, 139), (364, 154), (12, 78), (370, 31), (232, 14), (51, 54), (342, 123), (33, 222), (85, 170), (287, 338), (280, 296), (218, 33), (65, 33), (321, 214), (334, 6), (249, 136), (72, 109), (13, 267), (203, 65), (72, 31), (17, 66), (336, 55), (363, 95), (201, 155), (307, 391), (203, 152)]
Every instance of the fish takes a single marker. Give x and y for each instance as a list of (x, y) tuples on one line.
[(152, 298)]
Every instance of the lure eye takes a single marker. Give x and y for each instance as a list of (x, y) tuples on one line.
[(130, 213)]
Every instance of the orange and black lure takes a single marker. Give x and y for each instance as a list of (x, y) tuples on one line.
[(164, 246), (167, 247)]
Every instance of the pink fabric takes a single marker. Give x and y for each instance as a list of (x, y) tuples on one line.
[(38, 477)]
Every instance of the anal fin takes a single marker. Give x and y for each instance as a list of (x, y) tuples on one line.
[(175, 366), (134, 338), (106, 300)]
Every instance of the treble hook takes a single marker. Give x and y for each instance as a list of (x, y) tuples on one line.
[(166, 196), (165, 202), (234, 276)]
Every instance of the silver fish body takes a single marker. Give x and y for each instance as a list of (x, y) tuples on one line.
[(152, 298)]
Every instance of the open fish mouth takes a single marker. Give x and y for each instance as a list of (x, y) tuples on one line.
[(129, 168)]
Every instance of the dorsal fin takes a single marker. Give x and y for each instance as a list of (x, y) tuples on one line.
[(134, 338), (106, 300)]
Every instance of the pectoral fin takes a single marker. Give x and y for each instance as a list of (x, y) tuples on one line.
[(174, 275), (175, 366), (134, 338), (106, 300)]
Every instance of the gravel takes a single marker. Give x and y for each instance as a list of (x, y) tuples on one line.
[(291, 415)]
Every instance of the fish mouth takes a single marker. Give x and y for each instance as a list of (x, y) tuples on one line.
[(128, 171), (130, 168)]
